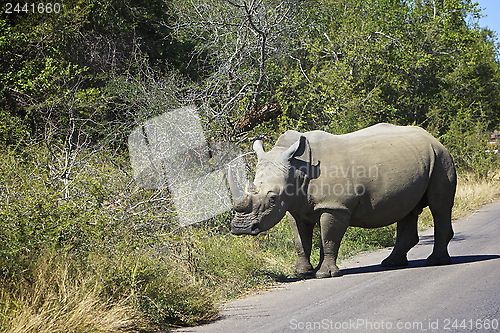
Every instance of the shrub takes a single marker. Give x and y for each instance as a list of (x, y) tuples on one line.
[(467, 140)]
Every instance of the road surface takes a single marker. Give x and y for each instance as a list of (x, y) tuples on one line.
[(461, 297)]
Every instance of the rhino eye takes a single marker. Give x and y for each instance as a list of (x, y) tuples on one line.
[(272, 197)]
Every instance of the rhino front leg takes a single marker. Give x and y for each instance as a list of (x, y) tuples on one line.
[(333, 226), (303, 232)]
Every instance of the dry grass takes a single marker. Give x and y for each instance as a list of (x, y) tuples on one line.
[(62, 300), (472, 193)]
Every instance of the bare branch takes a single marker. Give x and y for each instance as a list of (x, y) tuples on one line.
[(235, 4), (237, 39)]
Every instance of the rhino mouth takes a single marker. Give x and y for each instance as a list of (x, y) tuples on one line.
[(243, 225)]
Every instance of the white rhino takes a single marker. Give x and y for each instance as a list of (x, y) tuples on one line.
[(370, 178)]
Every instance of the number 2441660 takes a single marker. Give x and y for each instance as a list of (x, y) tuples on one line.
[(41, 8)]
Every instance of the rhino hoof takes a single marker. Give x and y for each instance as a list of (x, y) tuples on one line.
[(304, 273), (390, 262), (322, 275), (434, 260)]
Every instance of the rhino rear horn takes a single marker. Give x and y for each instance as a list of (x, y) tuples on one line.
[(258, 147)]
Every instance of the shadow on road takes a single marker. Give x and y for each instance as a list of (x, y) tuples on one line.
[(418, 263), (429, 239), (457, 260)]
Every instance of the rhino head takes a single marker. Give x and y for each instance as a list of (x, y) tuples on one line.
[(273, 190)]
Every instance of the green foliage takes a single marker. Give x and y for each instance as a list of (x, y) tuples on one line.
[(55, 68), (467, 141), (391, 61), (359, 239), (37, 212), (117, 242)]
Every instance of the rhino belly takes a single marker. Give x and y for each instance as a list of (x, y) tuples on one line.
[(378, 209), (389, 198), (380, 188)]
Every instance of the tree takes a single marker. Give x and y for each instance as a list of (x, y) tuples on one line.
[(406, 62), (240, 45)]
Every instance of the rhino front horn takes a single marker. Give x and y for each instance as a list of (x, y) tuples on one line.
[(237, 193)]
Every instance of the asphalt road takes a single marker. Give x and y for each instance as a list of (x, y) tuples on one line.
[(461, 297)]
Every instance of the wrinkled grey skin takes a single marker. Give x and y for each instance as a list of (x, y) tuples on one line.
[(370, 178)]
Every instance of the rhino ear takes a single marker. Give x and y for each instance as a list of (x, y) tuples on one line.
[(299, 148), (258, 146)]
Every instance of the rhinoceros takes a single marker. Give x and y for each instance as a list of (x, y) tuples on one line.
[(370, 178)]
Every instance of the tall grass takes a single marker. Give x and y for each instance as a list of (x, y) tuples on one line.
[(59, 297), (131, 289)]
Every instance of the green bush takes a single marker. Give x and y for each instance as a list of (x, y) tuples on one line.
[(467, 141), (135, 257)]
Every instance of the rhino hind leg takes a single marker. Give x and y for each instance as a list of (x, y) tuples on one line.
[(443, 233), (406, 238), (440, 196)]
